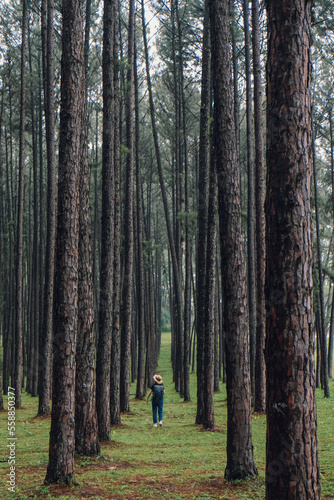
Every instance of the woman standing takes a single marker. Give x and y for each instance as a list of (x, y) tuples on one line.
[(158, 391)]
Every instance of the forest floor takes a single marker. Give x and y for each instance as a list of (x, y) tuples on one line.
[(178, 461)]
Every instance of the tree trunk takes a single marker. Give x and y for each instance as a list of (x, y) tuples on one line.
[(240, 462), (19, 234), (331, 331), (292, 469), (86, 433), (185, 385), (260, 369), (35, 278), (331, 340), (177, 190), (321, 298), (107, 235), (252, 292), (171, 240), (46, 337), (202, 210), (210, 292), (2, 261), (61, 451), (235, 76), (126, 310), (115, 412), (141, 389)]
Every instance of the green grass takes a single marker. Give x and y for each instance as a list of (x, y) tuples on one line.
[(179, 461)]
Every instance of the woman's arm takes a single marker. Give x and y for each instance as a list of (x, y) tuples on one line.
[(148, 396)]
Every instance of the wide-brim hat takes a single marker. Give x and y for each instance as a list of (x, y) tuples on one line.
[(157, 379)]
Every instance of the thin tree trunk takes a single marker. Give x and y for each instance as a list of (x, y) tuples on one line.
[(252, 292), (321, 305), (210, 289), (331, 340), (235, 77), (175, 265), (115, 411), (107, 235), (202, 213), (187, 284), (177, 191), (331, 331), (47, 334), (19, 240), (260, 369), (141, 389), (34, 347), (42, 225), (3, 260), (126, 310)]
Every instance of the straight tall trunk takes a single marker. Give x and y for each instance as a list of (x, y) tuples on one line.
[(331, 340), (292, 469), (141, 389), (177, 190), (260, 369), (321, 298), (86, 433), (251, 251), (240, 461), (126, 310), (35, 278), (107, 231), (19, 233), (202, 209), (210, 289), (47, 332), (171, 240), (115, 411), (187, 284), (331, 331), (61, 449)]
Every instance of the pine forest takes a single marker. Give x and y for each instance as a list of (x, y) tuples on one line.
[(167, 231)]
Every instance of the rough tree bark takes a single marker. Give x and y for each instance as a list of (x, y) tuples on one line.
[(47, 332), (115, 412), (19, 233), (208, 418), (292, 469), (202, 212), (171, 240), (320, 292), (61, 449), (260, 369), (140, 279), (251, 252), (86, 433), (107, 232), (331, 330), (126, 308), (240, 462)]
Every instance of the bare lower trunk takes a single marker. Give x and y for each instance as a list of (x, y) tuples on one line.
[(260, 369), (61, 449), (292, 469), (240, 461)]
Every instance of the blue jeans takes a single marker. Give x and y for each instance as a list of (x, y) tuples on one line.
[(157, 405)]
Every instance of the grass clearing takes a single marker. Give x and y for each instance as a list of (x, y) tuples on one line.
[(179, 461)]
